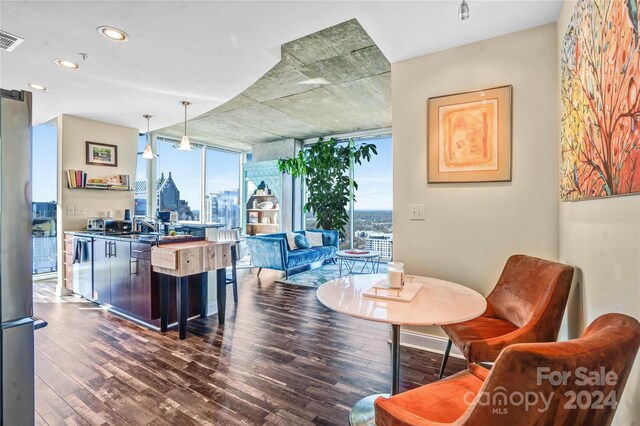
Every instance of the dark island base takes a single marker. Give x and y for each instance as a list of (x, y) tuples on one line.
[(146, 308)]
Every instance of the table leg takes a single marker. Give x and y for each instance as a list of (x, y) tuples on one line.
[(204, 294), (340, 266), (395, 359), (366, 260), (363, 414), (164, 302), (221, 287), (183, 306), (350, 266)]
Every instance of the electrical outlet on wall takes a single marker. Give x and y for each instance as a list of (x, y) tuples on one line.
[(81, 210), (416, 212)]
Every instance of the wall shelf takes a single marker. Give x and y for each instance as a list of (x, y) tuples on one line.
[(102, 189), (78, 179)]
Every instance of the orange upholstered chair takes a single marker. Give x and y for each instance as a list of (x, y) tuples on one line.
[(526, 385), (526, 305)]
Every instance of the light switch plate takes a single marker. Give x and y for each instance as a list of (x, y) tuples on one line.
[(71, 210), (417, 212)]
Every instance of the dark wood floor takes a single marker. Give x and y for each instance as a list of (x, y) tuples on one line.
[(281, 359)]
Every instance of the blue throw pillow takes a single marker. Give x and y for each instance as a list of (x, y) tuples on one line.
[(302, 241)]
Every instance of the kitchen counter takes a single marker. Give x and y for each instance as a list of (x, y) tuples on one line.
[(140, 238), (196, 229), (115, 271)]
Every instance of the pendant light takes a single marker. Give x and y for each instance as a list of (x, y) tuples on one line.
[(148, 152), (463, 11), (185, 144)]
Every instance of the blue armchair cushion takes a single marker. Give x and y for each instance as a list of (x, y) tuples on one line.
[(306, 256), (302, 242)]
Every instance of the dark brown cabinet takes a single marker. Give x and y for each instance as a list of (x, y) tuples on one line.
[(111, 274), (123, 278), (141, 280), (120, 275), (102, 270)]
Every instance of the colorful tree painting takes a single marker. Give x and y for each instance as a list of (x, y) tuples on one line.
[(600, 80)]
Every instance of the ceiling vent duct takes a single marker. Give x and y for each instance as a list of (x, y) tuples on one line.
[(8, 41)]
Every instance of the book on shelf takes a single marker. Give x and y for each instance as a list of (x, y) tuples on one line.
[(76, 178), (79, 179)]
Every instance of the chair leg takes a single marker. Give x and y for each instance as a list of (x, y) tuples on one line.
[(234, 276), (259, 270), (445, 357)]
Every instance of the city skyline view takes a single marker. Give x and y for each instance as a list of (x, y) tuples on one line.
[(223, 171), (374, 178)]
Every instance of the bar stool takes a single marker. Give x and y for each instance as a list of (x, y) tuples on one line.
[(233, 280), (232, 235)]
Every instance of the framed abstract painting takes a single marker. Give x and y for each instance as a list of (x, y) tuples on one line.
[(469, 136), (600, 98)]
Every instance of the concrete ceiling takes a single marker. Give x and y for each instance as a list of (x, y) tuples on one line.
[(332, 81), (208, 52)]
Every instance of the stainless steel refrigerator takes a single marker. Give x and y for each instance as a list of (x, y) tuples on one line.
[(16, 307)]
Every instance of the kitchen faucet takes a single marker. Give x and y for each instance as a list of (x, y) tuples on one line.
[(146, 221)]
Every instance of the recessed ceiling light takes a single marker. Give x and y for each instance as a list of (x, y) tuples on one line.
[(35, 86), (113, 33), (67, 64)]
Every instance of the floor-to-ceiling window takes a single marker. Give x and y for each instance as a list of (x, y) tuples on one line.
[(44, 198), (186, 178), (222, 201), (179, 186), (372, 219)]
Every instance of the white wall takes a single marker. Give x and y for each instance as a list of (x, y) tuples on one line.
[(73, 133), (471, 229), (601, 238)]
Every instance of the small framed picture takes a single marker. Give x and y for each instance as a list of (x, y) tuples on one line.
[(102, 154)]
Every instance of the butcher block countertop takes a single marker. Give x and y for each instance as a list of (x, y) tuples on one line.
[(190, 258)]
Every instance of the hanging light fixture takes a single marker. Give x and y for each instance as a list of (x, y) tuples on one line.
[(185, 144), (463, 11), (148, 152)]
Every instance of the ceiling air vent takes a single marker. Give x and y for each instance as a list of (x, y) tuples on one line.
[(8, 41)]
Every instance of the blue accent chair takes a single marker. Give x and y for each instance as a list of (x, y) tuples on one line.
[(272, 252)]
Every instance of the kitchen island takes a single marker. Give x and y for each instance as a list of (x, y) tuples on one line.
[(181, 261), (115, 271)]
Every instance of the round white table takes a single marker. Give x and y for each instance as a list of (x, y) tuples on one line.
[(349, 258), (439, 302)]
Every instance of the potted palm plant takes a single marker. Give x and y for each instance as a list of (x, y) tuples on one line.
[(327, 169)]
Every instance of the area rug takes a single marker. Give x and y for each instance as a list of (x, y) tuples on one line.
[(319, 276)]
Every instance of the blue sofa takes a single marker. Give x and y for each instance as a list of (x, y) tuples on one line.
[(272, 252)]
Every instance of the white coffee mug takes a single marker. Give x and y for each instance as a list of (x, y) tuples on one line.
[(395, 274)]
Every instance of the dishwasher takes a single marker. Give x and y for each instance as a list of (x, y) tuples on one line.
[(83, 267)]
